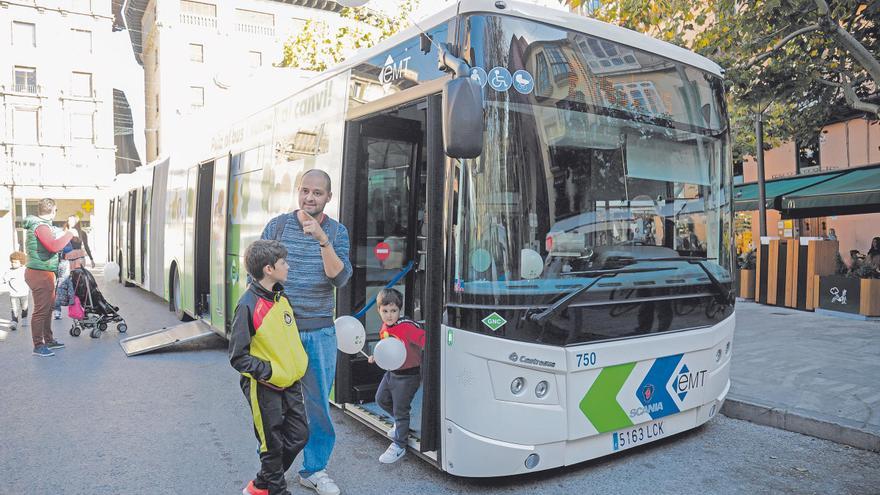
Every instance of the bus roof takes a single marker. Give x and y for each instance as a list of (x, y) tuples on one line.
[(561, 19)]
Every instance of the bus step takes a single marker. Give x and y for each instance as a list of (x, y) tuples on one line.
[(164, 337)]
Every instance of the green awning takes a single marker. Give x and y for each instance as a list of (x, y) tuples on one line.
[(851, 192), (745, 196)]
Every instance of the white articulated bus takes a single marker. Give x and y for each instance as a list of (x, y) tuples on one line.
[(574, 279)]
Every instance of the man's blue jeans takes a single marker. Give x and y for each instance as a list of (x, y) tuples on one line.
[(320, 345)]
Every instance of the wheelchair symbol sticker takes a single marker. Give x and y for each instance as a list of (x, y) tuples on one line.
[(479, 74), (523, 82), (499, 79)]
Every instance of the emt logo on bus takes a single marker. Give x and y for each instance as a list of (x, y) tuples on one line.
[(687, 381), (392, 70)]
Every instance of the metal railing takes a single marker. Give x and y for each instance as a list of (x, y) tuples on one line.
[(198, 20), (243, 27)]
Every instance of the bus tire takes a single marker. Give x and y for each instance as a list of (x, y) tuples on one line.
[(176, 298)]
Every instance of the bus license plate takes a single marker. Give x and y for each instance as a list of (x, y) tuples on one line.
[(636, 435)]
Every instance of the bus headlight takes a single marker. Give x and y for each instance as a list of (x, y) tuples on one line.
[(542, 389), (517, 385)]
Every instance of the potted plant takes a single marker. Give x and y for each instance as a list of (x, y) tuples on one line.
[(747, 263)]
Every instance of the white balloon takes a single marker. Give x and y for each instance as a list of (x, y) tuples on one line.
[(531, 264), (352, 3), (111, 272), (350, 334), (389, 354)]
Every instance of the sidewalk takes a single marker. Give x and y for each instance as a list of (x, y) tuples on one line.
[(808, 373)]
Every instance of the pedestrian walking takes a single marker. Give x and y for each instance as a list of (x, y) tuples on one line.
[(317, 248), (13, 281), (44, 241), (264, 346)]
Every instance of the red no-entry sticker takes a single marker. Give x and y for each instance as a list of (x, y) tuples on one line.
[(382, 251)]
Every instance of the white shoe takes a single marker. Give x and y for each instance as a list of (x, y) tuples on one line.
[(56, 314), (392, 431), (321, 483), (392, 454)]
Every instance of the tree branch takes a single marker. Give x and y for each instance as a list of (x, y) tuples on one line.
[(851, 97), (752, 61)]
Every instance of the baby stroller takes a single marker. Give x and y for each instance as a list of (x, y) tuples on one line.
[(97, 312)]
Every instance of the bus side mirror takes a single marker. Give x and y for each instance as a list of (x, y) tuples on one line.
[(462, 118)]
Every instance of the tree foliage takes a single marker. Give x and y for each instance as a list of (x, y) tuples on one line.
[(319, 46), (788, 58)]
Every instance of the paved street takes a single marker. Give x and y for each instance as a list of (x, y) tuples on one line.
[(90, 420)]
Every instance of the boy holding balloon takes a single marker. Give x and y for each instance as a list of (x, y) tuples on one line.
[(398, 386)]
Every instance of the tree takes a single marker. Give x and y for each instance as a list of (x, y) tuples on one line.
[(319, 46), (798, 61)]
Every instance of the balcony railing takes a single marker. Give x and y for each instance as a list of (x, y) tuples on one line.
[(198, 20), (26, 88), (243, 27)]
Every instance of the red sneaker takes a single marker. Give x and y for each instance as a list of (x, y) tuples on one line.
[(252, 490)]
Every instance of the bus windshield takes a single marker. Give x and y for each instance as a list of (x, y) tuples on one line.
[(597, 157)]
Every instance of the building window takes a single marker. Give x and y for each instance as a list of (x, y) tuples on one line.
[(198, 8), (24, 34), (641, 96), (81, 84), (255, 59), (255, 18), (82, 127), (543, 87), (558, 62), (25, 126), (26, 80), (82, 40), (81, 5), (605, 56), (197, 96), (196, 52)]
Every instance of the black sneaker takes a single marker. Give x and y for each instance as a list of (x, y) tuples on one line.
[(54, 344), (43, 351)]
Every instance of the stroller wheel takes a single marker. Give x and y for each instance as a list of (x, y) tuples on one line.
[(102, 326), (75, 331), (95, 333), (122, 327)]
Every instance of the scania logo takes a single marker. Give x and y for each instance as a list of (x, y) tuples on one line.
[(648, 392), (514, 357)]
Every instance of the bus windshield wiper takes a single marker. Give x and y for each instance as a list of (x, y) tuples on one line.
[(541, 318), (722, 295)]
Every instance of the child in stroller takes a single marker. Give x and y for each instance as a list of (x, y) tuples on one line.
[(97, 312)]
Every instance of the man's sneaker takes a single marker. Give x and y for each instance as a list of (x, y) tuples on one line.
[(43, 351), (321, 483), (392, 454), (54, 344), (56, 314), (13, 326), (250, 489)]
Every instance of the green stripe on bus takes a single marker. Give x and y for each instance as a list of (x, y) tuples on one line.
[(600, 405)]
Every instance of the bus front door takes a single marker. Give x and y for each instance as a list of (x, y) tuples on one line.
[(383, 206)]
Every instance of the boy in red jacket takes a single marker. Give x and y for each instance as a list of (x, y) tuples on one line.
[(398, 387)]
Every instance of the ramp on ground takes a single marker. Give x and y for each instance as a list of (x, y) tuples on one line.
[(165, 337)]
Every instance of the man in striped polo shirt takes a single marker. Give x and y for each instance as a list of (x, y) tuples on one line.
[(317, 252)]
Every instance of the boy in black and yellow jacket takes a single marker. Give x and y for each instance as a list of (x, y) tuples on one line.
[(264, 346)]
